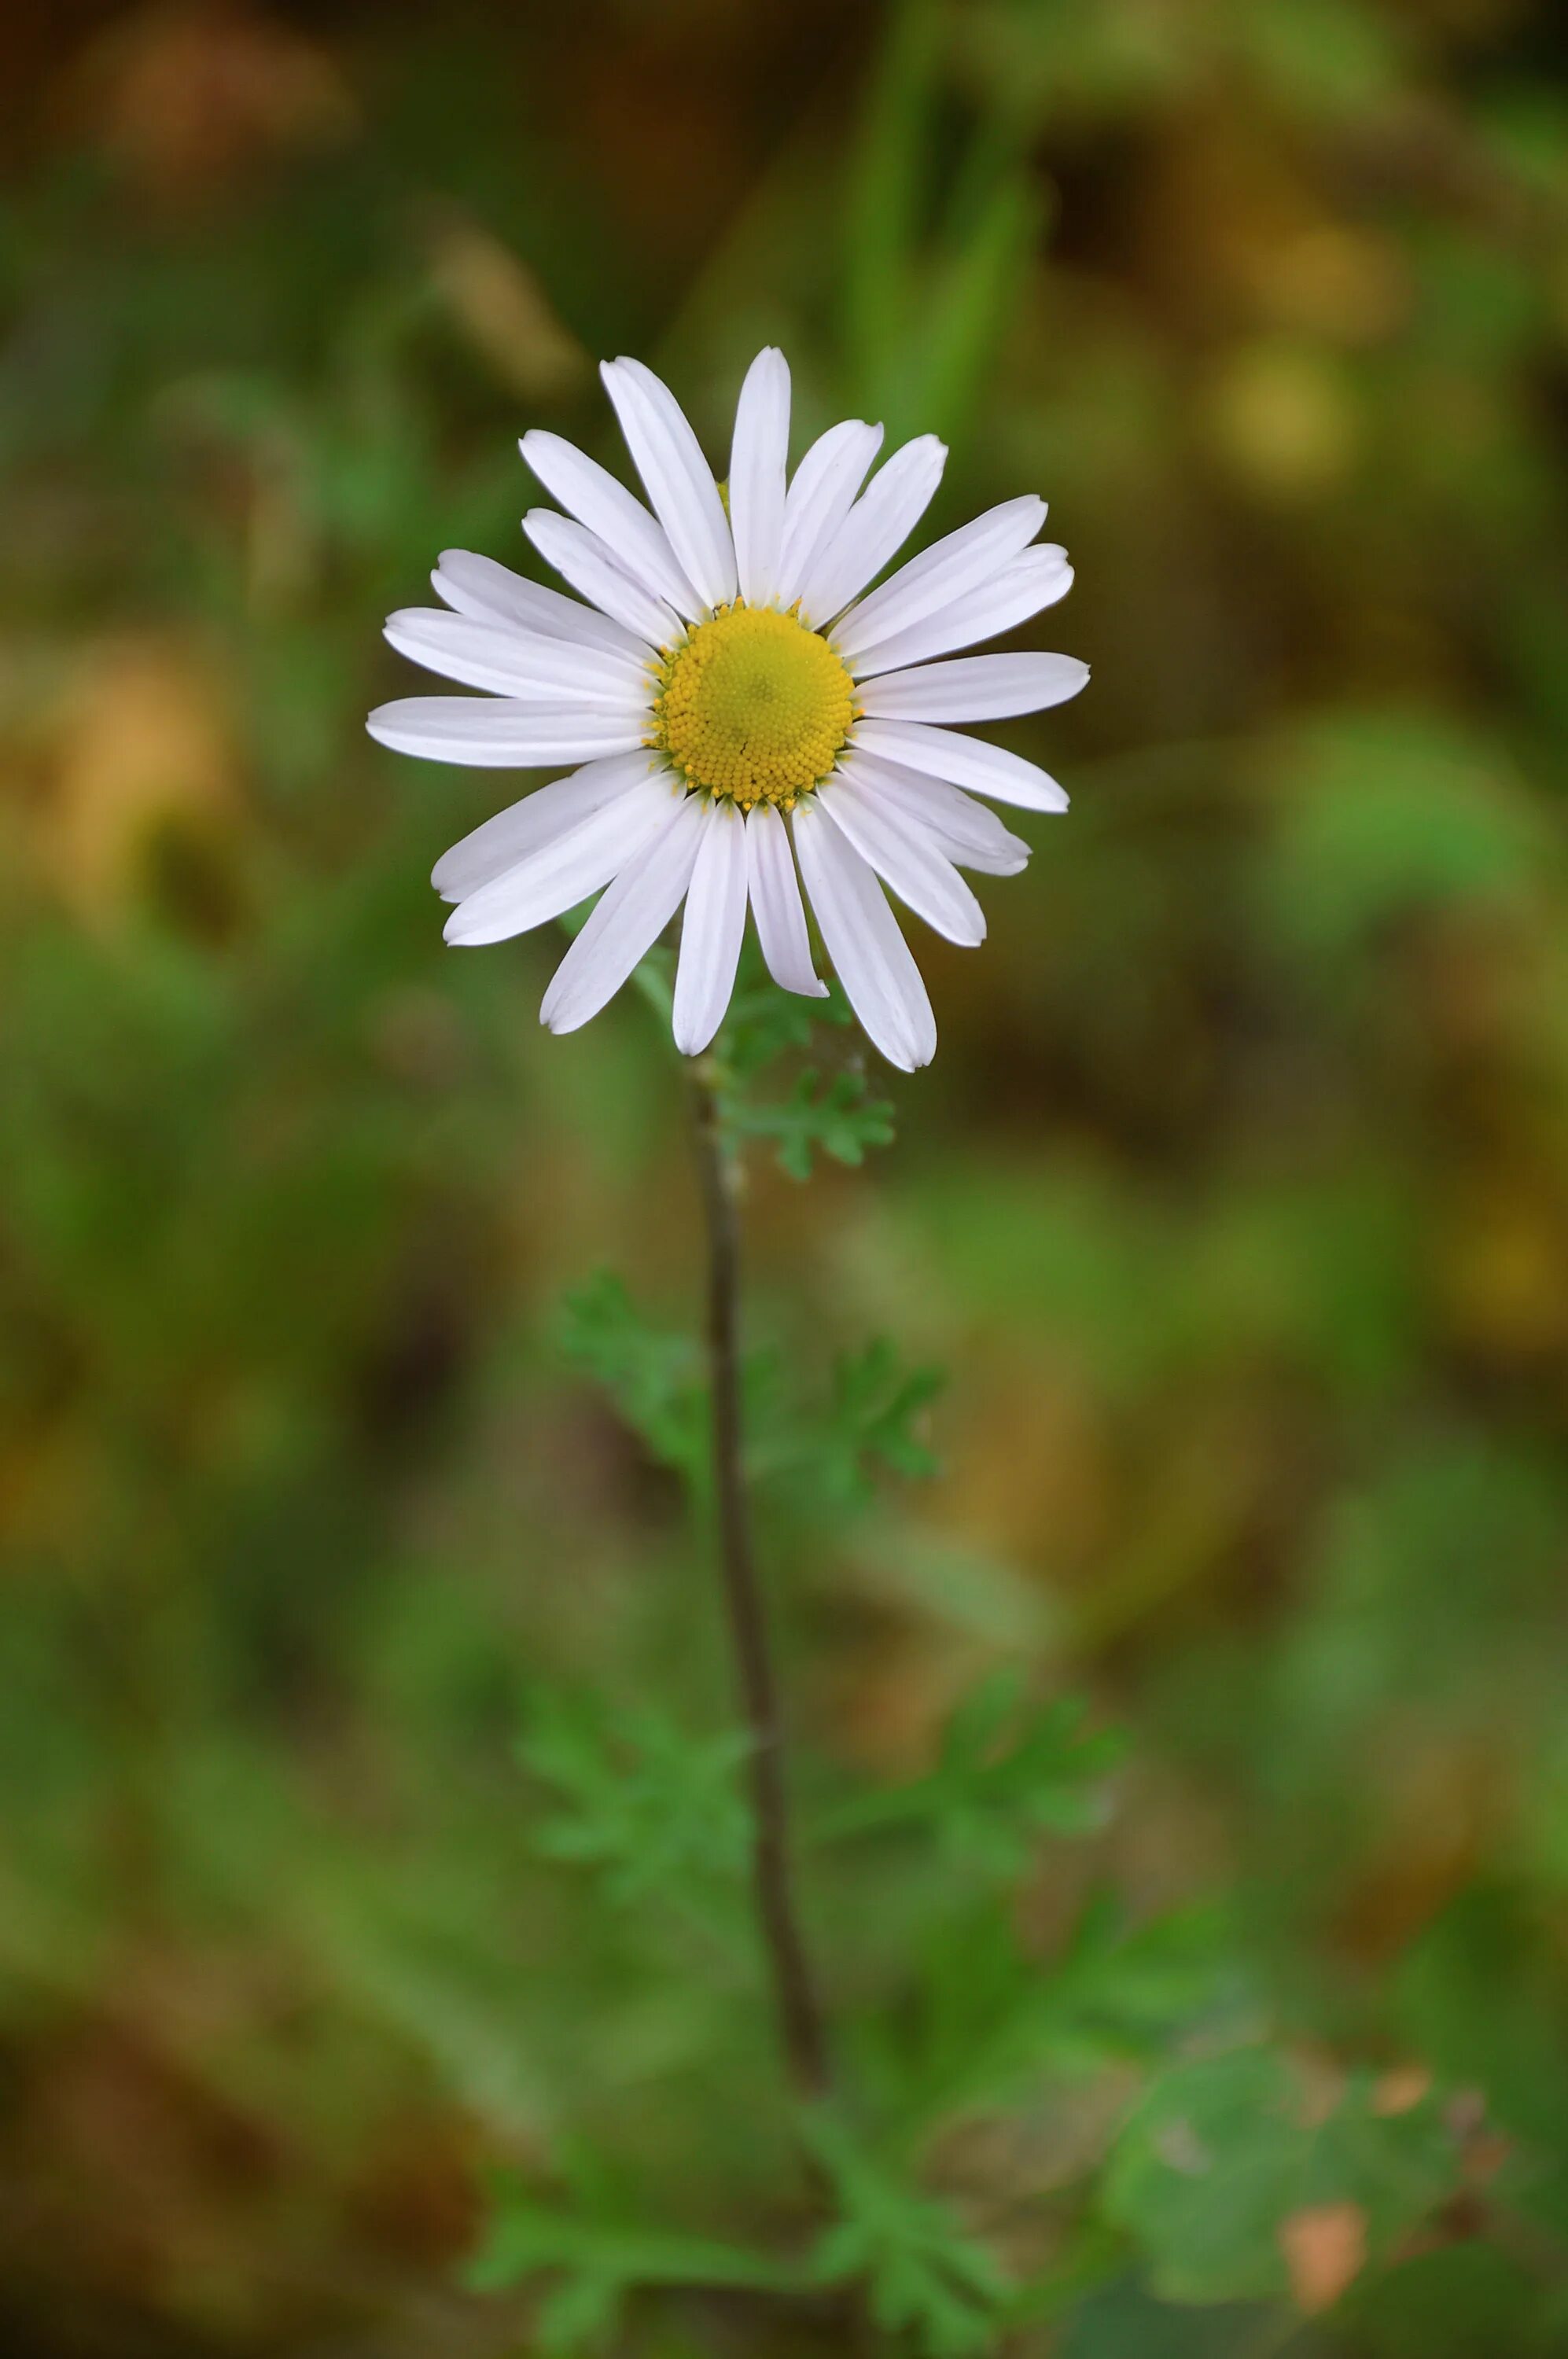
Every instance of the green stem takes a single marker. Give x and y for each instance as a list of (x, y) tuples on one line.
[(801, 2025)]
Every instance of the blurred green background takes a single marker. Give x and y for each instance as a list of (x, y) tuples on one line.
[(1235, 1203)]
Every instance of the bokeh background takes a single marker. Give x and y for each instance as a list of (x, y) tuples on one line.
[(1235, 1204)]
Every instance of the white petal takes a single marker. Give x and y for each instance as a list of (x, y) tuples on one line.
[(493, 732), (877, 524), (962, 761), (904, 856), (820, 497), (711, 929), (972, 836), (1039, 577), (512, 662), (776, 906), (493, 594), (758, 458), (678, 479), (581, 558), (973, 688), (628, 920), (949, 569), (872, 959), (499, 843), (566, 869), (592, 496)]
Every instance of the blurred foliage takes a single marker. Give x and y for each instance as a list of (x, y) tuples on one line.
[(1236, 1207)]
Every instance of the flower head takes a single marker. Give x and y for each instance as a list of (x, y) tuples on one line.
[(733, 716)]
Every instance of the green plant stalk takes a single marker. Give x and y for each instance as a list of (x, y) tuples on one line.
[(801, 2028)]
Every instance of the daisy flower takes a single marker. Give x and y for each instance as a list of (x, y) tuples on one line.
[(734, 716)]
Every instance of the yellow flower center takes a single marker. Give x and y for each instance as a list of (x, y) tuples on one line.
[(753, 706)]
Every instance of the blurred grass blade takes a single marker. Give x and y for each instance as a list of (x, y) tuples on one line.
[(882, 225)]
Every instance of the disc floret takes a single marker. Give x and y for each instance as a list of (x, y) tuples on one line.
[(752, 707)]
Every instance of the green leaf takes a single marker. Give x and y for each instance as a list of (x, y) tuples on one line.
[(925, 2277), (1206, 2171), (872, 1419), (836, 1114), (1221, 2152), (1397, 2168), (597, 2257), (647, 1806), (1008, 1771), (989, 2020), (655, 1379), (1480, 1994), (1121, 1990), (836, 1117), (763, 1024), (830, 1454)]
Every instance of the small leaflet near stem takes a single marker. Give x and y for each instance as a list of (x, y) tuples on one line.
[(801, 2025)]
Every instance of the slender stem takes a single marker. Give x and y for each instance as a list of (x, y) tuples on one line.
[(799, 2014)]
